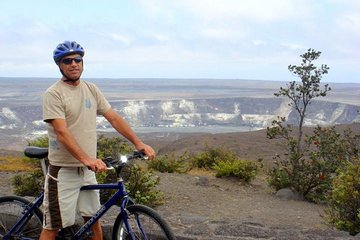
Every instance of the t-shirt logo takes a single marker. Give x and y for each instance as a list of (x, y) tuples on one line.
[(87, 103), (53, 144)]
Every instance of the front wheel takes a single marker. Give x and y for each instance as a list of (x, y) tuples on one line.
[(12, 209), (145, 224)]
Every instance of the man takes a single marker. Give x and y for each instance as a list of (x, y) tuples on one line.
[(70, 107)]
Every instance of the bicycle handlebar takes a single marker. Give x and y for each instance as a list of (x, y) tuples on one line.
[(124, 159), (121, 164)]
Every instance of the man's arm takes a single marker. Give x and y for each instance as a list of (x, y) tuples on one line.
[(65, 137), (124, 129)]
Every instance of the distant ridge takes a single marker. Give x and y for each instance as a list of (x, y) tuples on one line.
[(176, 105), (248, 145)]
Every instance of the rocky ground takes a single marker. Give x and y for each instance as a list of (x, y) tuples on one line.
[(200, 206), (204, 207)]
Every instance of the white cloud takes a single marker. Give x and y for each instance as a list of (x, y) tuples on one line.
[(23, 69), (122, 38), (255, 10), (223, 34), (162, 37), (209, 37), (37, 28), (259, 42), (294, 46), (350, 22)]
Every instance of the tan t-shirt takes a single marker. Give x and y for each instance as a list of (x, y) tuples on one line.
[(79, 106)]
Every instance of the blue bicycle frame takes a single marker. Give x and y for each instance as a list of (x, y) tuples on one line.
[(120, 194), (84, 231)]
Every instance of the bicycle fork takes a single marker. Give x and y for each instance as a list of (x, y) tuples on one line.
[(125, 216)]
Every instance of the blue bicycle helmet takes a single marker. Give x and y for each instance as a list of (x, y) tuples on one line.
[(67, 48)]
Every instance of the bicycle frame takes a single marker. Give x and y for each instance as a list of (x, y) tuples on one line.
[(120, 194)]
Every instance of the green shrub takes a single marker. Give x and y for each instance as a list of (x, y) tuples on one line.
[(112, 147), (31, 183), (170, 164), (142, 187), (311, 172), (225, 163), (208, 158), (242, 169), (278, 178), (28, 184), (42, 141), (164, 163), (343, 210)]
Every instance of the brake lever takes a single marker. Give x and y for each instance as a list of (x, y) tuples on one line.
[(109, 162), (140, 154)]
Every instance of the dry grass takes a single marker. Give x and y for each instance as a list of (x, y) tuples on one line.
[(15, 164), (201, 172)]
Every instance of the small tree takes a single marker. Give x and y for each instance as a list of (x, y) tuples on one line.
[(301, 94), (292, 171)]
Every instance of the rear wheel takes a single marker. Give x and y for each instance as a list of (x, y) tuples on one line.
[(143, 221), (12, 209)]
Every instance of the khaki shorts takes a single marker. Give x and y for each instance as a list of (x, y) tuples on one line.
[(63, 199)]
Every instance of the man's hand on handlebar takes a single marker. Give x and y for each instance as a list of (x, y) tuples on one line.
[(97, 165), (149, 151)]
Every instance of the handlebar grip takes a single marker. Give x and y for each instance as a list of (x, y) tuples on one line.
[(109, 161), (139, 154)]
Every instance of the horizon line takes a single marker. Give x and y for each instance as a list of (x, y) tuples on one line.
[(182, 78)]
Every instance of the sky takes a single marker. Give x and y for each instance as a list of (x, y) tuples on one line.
[(214, 39)]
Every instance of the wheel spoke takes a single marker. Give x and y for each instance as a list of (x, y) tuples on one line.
[(145, 224), (11, 210)]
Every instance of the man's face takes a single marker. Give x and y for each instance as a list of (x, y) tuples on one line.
[(72, 66)]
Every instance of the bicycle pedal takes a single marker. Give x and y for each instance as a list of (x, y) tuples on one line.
[(66, 233), (63, 237), (89, 234)]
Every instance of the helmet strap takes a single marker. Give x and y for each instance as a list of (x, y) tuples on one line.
[(68, 79)]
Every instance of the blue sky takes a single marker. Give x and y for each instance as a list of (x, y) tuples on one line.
[(228, 39)]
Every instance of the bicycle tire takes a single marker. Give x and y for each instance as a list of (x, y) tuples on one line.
[(12, 209), (153, 224)]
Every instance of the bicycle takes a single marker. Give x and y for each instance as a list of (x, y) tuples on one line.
[(22, 219)]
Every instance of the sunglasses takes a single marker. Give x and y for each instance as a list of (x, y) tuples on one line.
[(68, 61)]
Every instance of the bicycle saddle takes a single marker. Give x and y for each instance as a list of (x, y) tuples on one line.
[(36, 152)]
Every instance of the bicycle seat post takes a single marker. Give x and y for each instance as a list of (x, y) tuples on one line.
[(43, 166)]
